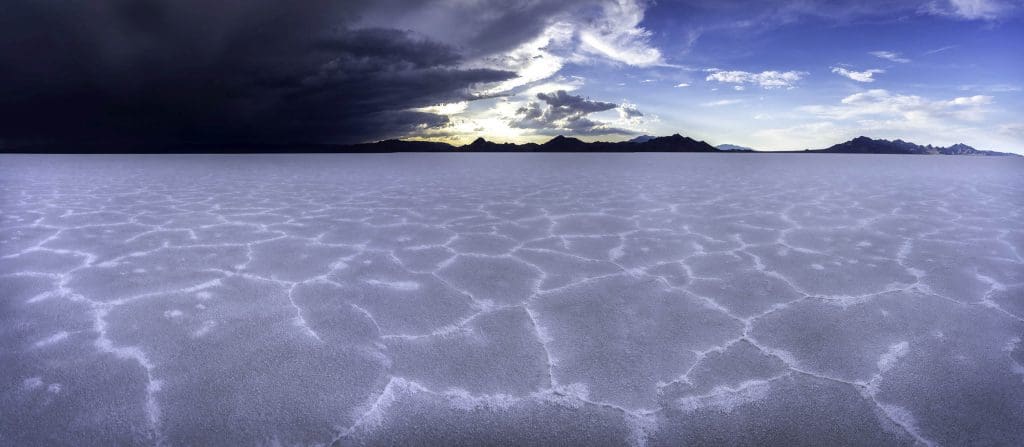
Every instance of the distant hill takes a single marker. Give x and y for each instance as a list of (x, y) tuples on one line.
[(564, 144), (733, 147), (677, 143), (865, 145), (401, 146)]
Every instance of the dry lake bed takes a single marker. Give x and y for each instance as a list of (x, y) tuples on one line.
[(511, 299)]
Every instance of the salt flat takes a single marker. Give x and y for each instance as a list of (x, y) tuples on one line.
[(529, 299)]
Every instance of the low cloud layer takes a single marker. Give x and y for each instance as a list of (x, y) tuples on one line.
[(886, 114), (899, 110)]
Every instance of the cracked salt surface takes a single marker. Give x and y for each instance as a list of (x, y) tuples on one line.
[(530, 299)]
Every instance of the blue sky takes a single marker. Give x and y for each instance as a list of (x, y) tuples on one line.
[(785, 75)]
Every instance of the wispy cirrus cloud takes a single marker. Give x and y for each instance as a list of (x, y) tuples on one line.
[(991, 88), (940, 49), (970, 9), (722, 102), (618, 36), (891, 56)]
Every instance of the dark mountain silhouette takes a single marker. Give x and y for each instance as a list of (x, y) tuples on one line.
[(561, 143), (564, 144), (641, 139), (865, 145), (677, 143), (401, 146), (482, 145), (672, 143)]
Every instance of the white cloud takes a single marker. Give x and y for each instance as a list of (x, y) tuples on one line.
[(628, 111), (532, 61), (859, 76), (614, 34), (558, 83), (975, 100), (618, 36), (722, 102), (977, 9), (682, 85), (630, 118), (890, 56), (453, 108), (969, 9), (583, 35), (766, 79)]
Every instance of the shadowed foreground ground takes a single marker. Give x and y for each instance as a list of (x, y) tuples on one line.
[(556, 299)]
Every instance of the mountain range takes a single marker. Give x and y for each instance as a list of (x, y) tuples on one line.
[(673, 143), (644, 143), (865, 145)]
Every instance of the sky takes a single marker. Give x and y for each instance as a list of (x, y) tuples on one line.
[(769, 75)]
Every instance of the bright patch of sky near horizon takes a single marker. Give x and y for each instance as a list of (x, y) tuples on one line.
[(784, 76)]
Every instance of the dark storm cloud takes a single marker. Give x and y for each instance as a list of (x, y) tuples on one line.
[(479, 27), (562, 112), (190, 70)]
